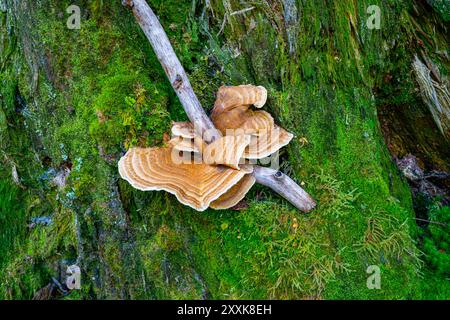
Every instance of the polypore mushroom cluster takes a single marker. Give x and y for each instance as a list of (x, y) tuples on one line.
[(209, 160), (216, 175)]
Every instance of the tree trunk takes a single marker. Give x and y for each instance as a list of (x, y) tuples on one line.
[(72, 101)]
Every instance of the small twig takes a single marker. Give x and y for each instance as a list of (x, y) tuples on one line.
[(433, 222), (437, 175), (241, 11), (222, 27), (284, 186)]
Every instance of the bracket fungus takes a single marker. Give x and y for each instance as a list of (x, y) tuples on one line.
[(212, 175), (233, 196), (233, 135), (233, 116), (194, 184), (232, 109), (232, 113)]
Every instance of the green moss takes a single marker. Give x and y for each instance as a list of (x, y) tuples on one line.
[(12, 221), (34, 251), (325, 95), (103, 91), (436, 241), (443, 8), (128, 110)]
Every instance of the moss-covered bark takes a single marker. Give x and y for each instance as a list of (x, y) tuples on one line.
[(77, 99)]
